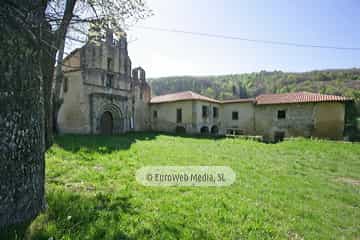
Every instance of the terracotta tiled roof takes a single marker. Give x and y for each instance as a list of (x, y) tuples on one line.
[(239, 100), (181, 96), (297, 97)]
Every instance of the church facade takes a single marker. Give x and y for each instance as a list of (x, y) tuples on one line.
[(101, 92)]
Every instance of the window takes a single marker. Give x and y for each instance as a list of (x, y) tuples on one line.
[(109, 80), (205, 111), (178, 115), (102, 79), (281, 114), (155, 114), (131, 123), (215, 112), (66, 84), (109, 64), (235, 115)]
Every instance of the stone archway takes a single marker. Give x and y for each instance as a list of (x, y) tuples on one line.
[(111, 120)]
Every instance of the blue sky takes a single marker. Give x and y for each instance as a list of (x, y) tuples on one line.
[(319, 22)]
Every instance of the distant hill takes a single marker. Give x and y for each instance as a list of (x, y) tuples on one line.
[(344, 82)]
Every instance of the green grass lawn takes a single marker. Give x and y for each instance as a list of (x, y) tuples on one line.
[(299, 189)]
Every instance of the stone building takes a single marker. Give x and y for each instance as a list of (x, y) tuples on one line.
[(273, 116), (102, 93), (185, 112)]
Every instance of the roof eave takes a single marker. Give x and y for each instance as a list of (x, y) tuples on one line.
[(281, 103), (184, 100)]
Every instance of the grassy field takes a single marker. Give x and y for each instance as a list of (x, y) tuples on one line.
[(299, 189)]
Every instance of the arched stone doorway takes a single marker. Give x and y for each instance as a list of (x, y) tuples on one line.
[(110, 120), (214, 130), (204, 130), (106, 123)]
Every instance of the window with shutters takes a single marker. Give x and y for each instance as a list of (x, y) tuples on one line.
[(235, 115), (66, 84), (281, 114), (179, 115), (205, 111)]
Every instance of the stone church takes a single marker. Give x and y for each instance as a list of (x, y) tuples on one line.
[(101, 92)]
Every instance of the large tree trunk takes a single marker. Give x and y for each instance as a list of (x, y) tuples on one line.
[(22, 112)]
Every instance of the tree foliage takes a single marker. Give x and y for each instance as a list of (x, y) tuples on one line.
[(337, 82)]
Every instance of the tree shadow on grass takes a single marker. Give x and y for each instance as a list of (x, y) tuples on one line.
[(106, 144), (72, 215), (101, 143), (194, 136)]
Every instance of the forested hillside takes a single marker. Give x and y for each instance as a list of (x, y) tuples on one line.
[(338, 82)]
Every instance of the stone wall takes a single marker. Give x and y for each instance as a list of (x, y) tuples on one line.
[(73, 114), (166, 116), (299, 120), (324, 120), (329, 120), (246, 117)]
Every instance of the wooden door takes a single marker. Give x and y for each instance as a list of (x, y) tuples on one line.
[(106, 123)]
